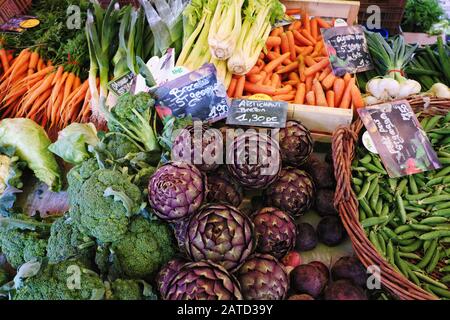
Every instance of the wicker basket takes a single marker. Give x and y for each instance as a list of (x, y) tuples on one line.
[(344, 148), (10, 8)]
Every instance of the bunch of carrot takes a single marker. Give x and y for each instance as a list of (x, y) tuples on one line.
[(33, 88), (294, 67)]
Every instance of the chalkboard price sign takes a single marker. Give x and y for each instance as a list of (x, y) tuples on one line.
[(347, 49), (402, 144), (258, 113), (123, 84)]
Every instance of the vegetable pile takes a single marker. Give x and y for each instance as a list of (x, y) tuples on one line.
[(407, 219)]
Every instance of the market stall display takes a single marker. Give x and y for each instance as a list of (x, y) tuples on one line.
[(173, 150)]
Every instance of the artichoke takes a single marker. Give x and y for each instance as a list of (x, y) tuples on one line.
[(275, 231), (176, 191), (293, 192), (254, 159), (222, 234), (263, 277), (167, 273), (199, 145), (223, 189), (203, 281), (296, 143)]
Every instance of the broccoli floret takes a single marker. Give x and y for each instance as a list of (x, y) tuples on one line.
[(105, 202), (20, 247), (125, 289), (142, 251), (78, 175), (132, 116), (68, 280), (120, 145), (66, 241)]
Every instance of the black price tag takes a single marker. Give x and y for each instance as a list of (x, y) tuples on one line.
[(123, 84), (347, 49), (258, 113), (396, 133)]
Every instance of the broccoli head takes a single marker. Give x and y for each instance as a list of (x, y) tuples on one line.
[(67, 241), (146, 247), (132, 116), (122, 289), (68, 280), (120, 145), (20, 243), (106, 201), (78, 175)]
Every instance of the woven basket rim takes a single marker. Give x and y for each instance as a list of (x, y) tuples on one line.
[(344, 144)]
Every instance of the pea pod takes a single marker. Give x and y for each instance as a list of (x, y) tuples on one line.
[(444, 160), (374, 239), (393, 184), (374, 197), (428, 255), (445, 279), (379, 207), (443, 172), (418, 196), (431, 124), (434, 220), (442, 213), (364, 190), (365, 206), (382, 243), (357, 181), (409, 235), (409, 255), (413, 185), (434, 261), (435, 199), (378, 164), (390, 252), (435, 235), (362, 214), (401, 264), (402, 229), (445, 269), (401, 208), (402, 186), (374, 168), (373, 221), (440, 291), (444, 205), (421, 227), (366, 159), (430, 280), (434, 181), (384, 211)]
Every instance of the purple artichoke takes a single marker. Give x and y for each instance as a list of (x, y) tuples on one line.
[(199, 145), (263, 277), (293, 192), (254, 160), (222, 234), (203, 281), (167, 273), (275, 231), (296, 143), (223, 189), (176, 191)]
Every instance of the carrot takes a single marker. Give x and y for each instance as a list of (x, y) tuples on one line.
[(308, 36), (4, 59), (330, 98), (291, 82), (273, 42), (309, 83), (267, 79), (308, 50), (34, 58), (68, 86), (324, 73), (321, 100), (311, 98), (74, 103), (55, 109), (277, 50), (40, 64), (283, 90), (318, 59), (254, 70), (276, 32), (297, 24), (34, 95), (231, 87), (76, 83), (260, 63), (40, 101), (322, 23), (275, 81), (314, 28), (357, 99), (287, 62), (317, 67), (294, 76), (58, 75), (301, 40), (239, 87), (329, 81), (291, 67), (347, 97), (291, 12), (338, 88), (272, 55), (324, 51), (284, 43), (300, 94), (254, 88), (23, 57), (305, 21), (284, 97), (347, 78), (57, 87), (309, 61), (317, 49), (291, 42), (276, 62)]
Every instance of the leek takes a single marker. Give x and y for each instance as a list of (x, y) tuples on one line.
[(259, 15), (225, 28)]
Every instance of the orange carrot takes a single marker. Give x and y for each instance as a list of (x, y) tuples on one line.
[(40, 64), (300, 39), (291, 12), (267, 79), (329, 81), (294, 76), (254, 88), (39, 103), (322, 23), (68, 86), (276, 62), (314, 28), (254, 78), (291, 67), (300, 94), (284, 43), (254, 70), (239, 87), (305, 21), (283, 90), (297, 24), (309, 83), (291, 82), (231, 88), (316, 67), (357, 99), (330, 98), (321, 100), (29, 100), (347, 78), (311, 98), (338, 88), (32, 65), (308, 36), (291, 42), (275, 81), (277, 50), (59, 73), (287, 61), (324, 73), (347, 97), (276, 32), (273, 42), (301, 69), (317, 49), (4, 60), (284, 97)]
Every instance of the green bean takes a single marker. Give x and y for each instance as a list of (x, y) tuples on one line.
[(364, 190), (367, 158), (419, 196), (428, 255), (442, 212), (435, 235), (434, 199), (443, 172), (401, 208), (413, 185), (409, 255), (373, 221), (434, 261)]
